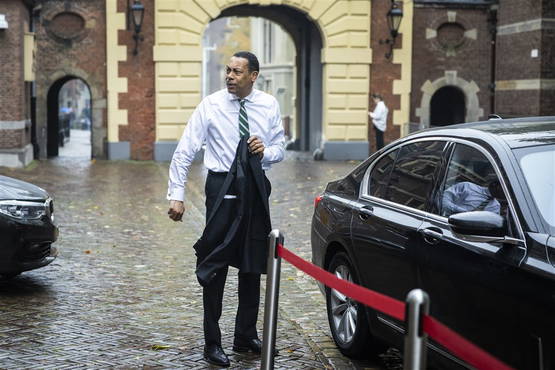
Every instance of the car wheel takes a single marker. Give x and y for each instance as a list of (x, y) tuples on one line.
[(347, 318)]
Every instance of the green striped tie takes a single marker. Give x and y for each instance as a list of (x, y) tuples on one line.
[(243, 120)]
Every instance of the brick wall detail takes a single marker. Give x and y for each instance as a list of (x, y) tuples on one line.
[(526, 54), (383, 72), (470, 60), (82, 56), (140, 98), (13, 139), (12, 85)]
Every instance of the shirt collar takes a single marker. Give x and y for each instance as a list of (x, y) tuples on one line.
[(249, 98)]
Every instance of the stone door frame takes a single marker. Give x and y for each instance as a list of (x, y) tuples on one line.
[(469, 88), (98, 112)]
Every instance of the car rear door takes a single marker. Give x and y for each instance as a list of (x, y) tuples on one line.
[(387, 217), (472, 285)]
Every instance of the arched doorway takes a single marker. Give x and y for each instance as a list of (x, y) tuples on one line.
[(308, 46), (333, 74), (459, 92), (276, 52), (69, 118), (447, 107)]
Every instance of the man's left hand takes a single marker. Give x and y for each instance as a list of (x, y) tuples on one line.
[(256, 146)]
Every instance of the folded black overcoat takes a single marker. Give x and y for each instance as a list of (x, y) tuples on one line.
[(236, 231)]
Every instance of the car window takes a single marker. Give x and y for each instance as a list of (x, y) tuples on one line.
[(538, 166), (379, 177), (412, 176), (471, 184)]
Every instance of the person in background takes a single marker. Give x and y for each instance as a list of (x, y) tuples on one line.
[(467, 196), (379, 119)]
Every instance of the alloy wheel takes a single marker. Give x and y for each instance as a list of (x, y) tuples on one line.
[(344, 309)]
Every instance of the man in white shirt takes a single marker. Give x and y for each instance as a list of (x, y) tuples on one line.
[(218, 122), (379, 119), (466, 197)]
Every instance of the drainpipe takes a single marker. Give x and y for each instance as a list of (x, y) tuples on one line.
[(492, 25), (34, 13)]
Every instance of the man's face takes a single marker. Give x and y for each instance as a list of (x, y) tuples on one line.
[(239, 80)]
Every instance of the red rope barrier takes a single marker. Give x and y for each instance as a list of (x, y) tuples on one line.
[(461, 347), (449, 339), (377, 301)]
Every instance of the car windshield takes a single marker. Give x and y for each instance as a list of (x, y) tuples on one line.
[(538, 165)]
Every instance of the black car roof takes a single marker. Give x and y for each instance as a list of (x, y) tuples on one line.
[(516, 132)]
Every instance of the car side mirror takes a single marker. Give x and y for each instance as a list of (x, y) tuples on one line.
[(480, 226)]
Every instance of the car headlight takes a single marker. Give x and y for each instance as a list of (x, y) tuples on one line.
[(24, 210)]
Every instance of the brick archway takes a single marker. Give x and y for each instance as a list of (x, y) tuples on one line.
[(345, 56), (52, 116), (308, 47), (98, 108), (80, 54)]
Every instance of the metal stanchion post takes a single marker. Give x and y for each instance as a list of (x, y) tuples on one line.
[(418, 304), (271, 302)]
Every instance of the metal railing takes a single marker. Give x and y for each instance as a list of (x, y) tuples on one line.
[(271, 301)]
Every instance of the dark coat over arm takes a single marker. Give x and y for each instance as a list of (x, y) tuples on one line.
[(237, 229)]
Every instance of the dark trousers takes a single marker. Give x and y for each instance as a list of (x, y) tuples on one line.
[(379, 138), (247, 312), (212, 295)]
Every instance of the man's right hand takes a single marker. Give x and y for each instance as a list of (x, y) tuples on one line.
[(176, 210)]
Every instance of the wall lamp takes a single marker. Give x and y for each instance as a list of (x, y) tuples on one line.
[(394, 16), (137, 13)]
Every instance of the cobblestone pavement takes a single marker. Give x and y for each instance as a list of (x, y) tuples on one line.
[(122, 292), (78, 146)]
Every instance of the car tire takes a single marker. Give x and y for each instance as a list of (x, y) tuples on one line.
[(347, 318)]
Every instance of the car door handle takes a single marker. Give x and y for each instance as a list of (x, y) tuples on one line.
[(365, 212), (432, 236)]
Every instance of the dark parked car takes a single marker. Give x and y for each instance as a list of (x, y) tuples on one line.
[(466, 213), (27, 228)]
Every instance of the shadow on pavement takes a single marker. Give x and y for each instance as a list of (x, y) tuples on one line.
[(22, 286)]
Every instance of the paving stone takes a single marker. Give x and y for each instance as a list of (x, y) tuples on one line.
[(124, 279)]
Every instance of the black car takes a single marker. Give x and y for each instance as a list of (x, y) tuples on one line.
[(466, 213), (27, 228)]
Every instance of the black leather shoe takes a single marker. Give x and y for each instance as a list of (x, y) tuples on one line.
[(215, 355), (249, 345)]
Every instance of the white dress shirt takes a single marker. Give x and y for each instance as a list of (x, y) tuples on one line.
[(379, 116), (215, 124)]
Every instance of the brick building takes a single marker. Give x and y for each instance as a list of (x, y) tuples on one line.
[(525, 63), (454, 58), (473, 58), (71, 44), (453, 61), (16, 72), (385, 71)]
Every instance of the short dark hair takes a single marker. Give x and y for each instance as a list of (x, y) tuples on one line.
[(251, 58), (377, 96)]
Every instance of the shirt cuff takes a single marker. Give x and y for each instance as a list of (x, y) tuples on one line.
[(176, 194), (267, 156)]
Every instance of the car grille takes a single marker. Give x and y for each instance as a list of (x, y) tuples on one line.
[(35, 252)]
